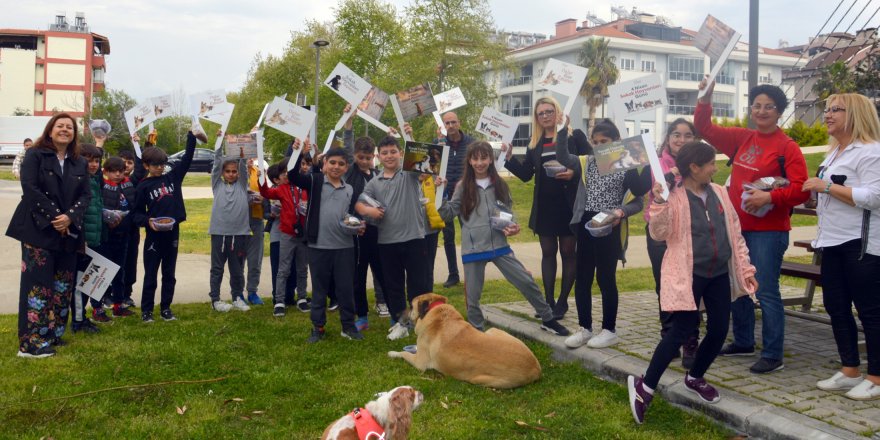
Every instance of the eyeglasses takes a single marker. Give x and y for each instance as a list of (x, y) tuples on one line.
[(833, 109), (687, 136), (450, 123), (767, 108), (546, 113)]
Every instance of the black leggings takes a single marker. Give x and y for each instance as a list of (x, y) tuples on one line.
[(597, 257), (715, 294), (565, 245)]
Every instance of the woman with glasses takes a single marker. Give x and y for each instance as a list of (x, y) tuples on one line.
[(765, 151), (848, 187), (597, 256), (680, 132), (552, 199)]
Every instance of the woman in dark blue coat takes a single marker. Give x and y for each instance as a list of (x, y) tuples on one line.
[(48, 223)]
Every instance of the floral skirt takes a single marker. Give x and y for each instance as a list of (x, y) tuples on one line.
[(47, 281)]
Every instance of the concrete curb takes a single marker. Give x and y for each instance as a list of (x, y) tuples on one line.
[(750, 416)]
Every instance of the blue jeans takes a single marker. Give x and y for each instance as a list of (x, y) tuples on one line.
[(766, 249)]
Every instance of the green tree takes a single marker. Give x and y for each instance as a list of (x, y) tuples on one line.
[(808, 135), (602, 72), (866, 74), (110, 105), (834, 78)]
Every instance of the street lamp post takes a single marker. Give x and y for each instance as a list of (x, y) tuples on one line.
[(317, 45)]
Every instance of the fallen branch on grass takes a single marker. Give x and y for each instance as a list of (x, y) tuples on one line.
[(124, 387)]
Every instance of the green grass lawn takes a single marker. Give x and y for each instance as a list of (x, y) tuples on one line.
[(277, 386), (197, 179)]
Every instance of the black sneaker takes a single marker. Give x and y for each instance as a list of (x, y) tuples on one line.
[(107, 301), (333, 306), (147, 316), (167, 315), (451, 281), (352, 334), (735, 350), (37, 353), (279, 310), (129, 302), (303, 305), (100, 315), (85, 326), (59, 342), (317, 335), (553, 326), (765, 365), (689, 352)]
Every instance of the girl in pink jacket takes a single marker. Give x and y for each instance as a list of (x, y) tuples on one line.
[(705, 248)]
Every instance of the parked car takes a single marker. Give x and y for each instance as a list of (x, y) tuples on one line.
[(203, 160)]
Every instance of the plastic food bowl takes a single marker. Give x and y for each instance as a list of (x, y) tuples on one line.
[(499, 223), (552, 171), (163, 224), (600, 231), (112, 216), (275, 209), (254, 197), (411, 349), (761, 212), (349, 227)]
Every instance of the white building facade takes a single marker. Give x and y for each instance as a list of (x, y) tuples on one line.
[(639, 49)]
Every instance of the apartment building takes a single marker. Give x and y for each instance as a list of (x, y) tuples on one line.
[(47, 71), (640, 46)]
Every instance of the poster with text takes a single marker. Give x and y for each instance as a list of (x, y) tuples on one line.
[(637, 96), (94, 274), (449, 100), (422, 158), (161, 106), (139, 116), (713, 37), (237, 144), (416, 101), (622, 155), (347, 84), (374, 103), (497, 125), (289, 118), (207, 103), (563, 78)]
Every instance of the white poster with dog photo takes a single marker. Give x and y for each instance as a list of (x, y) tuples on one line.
[(161, 106), (207, 103), (637, 96), (717, 40), (563, 78), (449, 100), (347, 84), (94, 279), (139, 116), (289, 118)]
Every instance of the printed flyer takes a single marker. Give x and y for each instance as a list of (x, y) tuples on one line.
[(347, 84), (289, 118), (422, 158), (416, 101), (623, 155), (637, 96), (497, 125)]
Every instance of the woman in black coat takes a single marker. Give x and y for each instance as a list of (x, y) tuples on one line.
[(48, 223)]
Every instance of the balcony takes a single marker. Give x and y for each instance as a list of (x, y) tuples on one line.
[(724, 79), (521, 81), (517, 112), (687, 110), (686, 76), (723, 112)]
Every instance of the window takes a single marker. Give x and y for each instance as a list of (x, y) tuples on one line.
[(722, 105), (627, 61), (523, 135), (516, 105), (685, 68), (647, 66), (725, 76)]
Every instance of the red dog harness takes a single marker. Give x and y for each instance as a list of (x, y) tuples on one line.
[(366, 426)]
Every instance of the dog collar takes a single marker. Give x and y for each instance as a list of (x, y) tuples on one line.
[(366, 426), (435, 304)]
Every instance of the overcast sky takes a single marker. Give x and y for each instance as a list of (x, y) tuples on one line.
[(161, 45)]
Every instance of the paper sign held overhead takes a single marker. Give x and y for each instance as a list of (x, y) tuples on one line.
[(237, 144), (161, 106), (637, 96), (289, 118), (374, 103), (563, 78), (449, 100), (623, 155), (497, 125), (422, 158), (415, 101), (347, 84), (717, 40), (139, 117), (206, 103)]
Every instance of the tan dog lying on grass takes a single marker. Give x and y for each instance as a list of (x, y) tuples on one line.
[(449, 344)]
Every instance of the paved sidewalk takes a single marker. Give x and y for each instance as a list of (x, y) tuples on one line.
[(781, 405)]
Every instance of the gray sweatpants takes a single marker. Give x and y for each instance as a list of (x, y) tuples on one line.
[(255, 255), (288, 248), (232, 248), (515, 273)]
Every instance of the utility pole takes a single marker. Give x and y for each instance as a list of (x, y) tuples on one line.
[(753, 49)]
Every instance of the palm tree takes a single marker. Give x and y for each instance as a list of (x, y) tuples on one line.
[(602, 72)]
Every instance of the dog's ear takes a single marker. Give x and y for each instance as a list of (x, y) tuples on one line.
[(400, 413), (424, 304)]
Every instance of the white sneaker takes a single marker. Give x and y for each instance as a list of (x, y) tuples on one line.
[(839, 382), (866, 390), (397, 331), (221, 306), (578, 338), (605, 339), (240, 305)]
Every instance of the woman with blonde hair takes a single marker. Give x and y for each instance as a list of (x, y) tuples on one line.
[(848, 187), (553, 198)]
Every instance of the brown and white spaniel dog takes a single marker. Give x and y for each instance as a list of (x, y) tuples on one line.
[(391, 412)]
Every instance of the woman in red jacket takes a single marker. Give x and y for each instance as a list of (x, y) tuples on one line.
[(765, 151)]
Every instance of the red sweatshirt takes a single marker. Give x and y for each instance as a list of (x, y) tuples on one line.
[(757, 156), (289, 200)]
